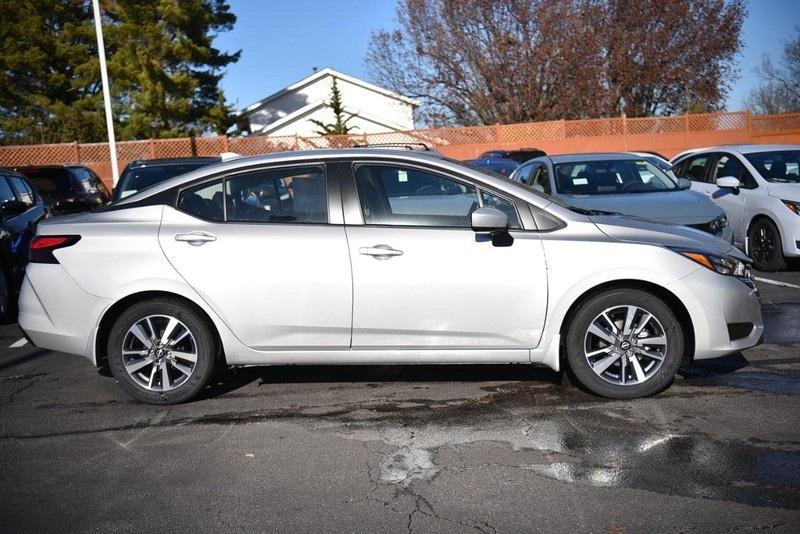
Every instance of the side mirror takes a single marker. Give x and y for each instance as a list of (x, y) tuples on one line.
[(728, 182), (93, 200), (12, 208), (489, 220), (684, 183)]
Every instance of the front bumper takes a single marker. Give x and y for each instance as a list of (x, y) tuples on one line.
[(718, 305)]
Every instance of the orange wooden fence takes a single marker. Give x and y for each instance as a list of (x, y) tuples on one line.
[(667, 135)]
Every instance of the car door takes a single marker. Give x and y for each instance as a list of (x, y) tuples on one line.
[(422, 279), (734, 202), (267, 253)]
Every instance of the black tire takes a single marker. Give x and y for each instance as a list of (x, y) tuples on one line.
[(764, 246), (5, 301), (657, 376), (203, 341)]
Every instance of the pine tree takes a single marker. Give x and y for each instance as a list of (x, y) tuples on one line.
[(164, 70), (49, 73), (339, 126)]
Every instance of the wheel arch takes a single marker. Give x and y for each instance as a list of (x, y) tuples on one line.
[(675, 304), (114, 311)]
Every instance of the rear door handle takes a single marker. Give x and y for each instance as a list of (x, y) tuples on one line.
[(380, 252), (196, 238)]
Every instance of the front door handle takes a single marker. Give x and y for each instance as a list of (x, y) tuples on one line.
[(380, 252), (196, 238)]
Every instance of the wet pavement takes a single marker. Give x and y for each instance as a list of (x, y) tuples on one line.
[(407, 448)]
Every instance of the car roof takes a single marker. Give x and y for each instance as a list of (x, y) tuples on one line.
[(742, 149), (312, 156), (597, 156), (174, 161)]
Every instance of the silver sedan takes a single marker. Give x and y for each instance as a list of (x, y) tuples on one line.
[(377, 256)]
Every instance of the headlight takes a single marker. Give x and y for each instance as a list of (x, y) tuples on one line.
[(794, 206), (727, 265), (718, 224)]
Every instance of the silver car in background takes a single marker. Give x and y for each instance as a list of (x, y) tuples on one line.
[(627, 183), (377, 256)]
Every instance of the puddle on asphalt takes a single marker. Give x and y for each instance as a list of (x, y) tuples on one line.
[(781, 324), (603, 447)]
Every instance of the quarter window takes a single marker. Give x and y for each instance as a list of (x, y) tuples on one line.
[(204, 201), (292, 195)]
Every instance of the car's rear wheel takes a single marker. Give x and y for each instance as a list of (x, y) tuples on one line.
[(162, 351), (624, 343), (764, 246)]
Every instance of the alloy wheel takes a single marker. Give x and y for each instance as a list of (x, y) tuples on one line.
[(159, 352), (763, 244), (625, 345)]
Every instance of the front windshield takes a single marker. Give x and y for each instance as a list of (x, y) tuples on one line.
[(611, 177), (781, 166)]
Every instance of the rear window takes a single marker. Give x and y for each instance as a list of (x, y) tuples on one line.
[(137, 179), (50, 183)]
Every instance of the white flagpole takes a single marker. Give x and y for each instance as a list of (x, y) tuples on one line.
[(101, 52)]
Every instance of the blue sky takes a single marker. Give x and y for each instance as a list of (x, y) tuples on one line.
[(282, 40)]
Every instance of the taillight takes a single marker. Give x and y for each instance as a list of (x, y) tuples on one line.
[(42, 247)]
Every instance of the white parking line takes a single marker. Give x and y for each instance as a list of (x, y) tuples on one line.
[(775, 282), (21, 342)]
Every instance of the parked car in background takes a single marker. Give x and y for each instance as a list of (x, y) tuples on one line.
[(520, 156), (21, 210), (141, 174), (758, 186), (498, 165), (67, 188), (623, 183), (378, 256)]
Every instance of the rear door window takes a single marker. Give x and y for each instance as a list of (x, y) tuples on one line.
[(695, 168), (6, 194)]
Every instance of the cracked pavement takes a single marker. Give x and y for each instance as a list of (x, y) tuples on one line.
[(406, 449)]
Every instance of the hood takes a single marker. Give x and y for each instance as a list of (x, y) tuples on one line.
[(785, 191), (634, 230), (674, 207)]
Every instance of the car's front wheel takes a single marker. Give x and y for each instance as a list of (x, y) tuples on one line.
[(624, 343), (764, 245), (162, 351)]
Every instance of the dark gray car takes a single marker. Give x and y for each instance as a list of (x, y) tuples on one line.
[(623, 183)]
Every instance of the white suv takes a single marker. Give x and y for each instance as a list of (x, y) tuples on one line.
[(758, 186)]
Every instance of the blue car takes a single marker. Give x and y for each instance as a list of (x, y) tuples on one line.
[(623, 183), (499, 165)]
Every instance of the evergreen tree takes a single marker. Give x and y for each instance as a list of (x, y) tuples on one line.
[(49, 73), (339, 125), (164, 70)]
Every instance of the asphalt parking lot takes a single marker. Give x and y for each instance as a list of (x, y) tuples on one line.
[(394, 449)]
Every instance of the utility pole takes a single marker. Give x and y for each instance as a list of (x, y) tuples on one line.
[(101, 52)]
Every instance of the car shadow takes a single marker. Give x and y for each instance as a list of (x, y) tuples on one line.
[(232, 379), (713, 367)]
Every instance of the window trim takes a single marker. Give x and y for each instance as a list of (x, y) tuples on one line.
[(479, 190), (223, 178)]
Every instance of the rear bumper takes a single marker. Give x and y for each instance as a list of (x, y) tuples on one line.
[(715, 303), (55, 314)]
